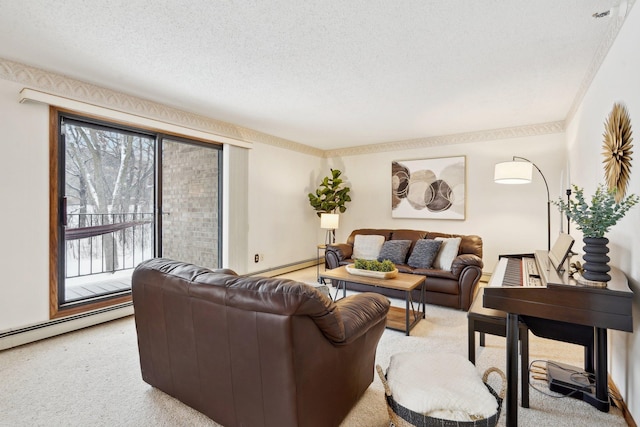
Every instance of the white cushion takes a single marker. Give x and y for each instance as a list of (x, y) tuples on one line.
[(440, 385), (367, 246), (448, 252)]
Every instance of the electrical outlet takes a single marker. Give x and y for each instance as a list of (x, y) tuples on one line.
[(256, 258), (261, 257)]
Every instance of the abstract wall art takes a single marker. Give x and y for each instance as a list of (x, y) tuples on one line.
[(429, 188)]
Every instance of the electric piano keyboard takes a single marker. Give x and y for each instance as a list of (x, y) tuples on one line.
[(516, 272), (560, 297), (559, 309)]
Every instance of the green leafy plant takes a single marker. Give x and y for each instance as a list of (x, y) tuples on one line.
[(374, 265), (596, 218), (331, 195)]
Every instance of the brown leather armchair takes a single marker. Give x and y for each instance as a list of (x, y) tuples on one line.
[(254, 351)]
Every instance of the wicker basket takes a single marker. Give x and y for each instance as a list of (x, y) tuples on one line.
[(403, 417)]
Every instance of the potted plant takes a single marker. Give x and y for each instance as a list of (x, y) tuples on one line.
[(595, 219), (331, 195)]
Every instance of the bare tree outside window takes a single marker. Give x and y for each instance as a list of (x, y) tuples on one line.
[(110, 193)]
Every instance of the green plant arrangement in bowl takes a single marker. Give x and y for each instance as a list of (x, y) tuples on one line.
[(595, 218), (374, 265), (373, 268)]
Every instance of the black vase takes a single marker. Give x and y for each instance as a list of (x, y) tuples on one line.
[(595, 258)]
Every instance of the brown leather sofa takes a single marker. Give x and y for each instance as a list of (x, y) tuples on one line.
[(454, 288), (254, 351)]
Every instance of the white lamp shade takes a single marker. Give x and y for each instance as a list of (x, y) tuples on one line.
[(513, 173), (329, 221)]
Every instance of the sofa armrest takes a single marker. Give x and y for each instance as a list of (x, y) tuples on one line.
[(464, 260), (360, 312), (468, 269), (336, 253)]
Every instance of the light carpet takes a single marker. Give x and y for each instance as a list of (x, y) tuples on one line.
[(92, 377)]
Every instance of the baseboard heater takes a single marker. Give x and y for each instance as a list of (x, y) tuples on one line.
[(284, 269), (51, 328)]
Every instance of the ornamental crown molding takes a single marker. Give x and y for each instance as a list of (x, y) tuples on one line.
[(86, 92), (459, 138), (107, 98)]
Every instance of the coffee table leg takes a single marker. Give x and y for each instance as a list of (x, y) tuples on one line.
[(424, 310), (406, 312), (339, 284)]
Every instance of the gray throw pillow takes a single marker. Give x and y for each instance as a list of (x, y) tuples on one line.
[(395, 251), (424, 253)]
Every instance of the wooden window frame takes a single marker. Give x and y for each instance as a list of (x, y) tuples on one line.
[(55, 310)]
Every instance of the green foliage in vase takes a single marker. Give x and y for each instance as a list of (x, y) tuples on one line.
[(331, 195), (374, 265), (595, 219)]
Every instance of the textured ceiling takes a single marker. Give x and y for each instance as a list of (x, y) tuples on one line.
[(331, 73)]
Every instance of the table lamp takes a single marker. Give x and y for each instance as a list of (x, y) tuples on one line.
[(329, 221)]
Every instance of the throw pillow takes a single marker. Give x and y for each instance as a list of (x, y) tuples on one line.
[(395, 251), (424, 253), (367, 246), (448, 252)]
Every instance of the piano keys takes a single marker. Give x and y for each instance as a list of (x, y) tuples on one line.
[(562, 298)]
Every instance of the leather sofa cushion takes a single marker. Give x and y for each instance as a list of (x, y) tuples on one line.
[(412, 235), (368, 231), (435, 273)]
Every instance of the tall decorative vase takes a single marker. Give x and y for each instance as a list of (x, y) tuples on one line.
[(596, 261)]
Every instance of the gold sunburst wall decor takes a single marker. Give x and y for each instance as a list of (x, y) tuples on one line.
[(617, 150)]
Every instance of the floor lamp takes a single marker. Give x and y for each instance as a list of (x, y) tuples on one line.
[(329, 222), (521, 172)]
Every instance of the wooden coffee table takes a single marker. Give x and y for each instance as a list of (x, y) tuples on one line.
[(398, 318)]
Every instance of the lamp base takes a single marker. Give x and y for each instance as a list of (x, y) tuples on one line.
[(330, 237)]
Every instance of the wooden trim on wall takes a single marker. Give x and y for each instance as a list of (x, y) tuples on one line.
[(54, 239), (620, 403), (53, 213), (77, 309)]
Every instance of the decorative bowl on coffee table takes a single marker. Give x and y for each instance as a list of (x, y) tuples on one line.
[(370, 273)]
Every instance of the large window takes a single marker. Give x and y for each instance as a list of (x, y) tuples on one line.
[(122, 195)]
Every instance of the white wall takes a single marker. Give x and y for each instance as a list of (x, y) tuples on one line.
[(283, 226), (24, 194), (616, 81), (509, 218)]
